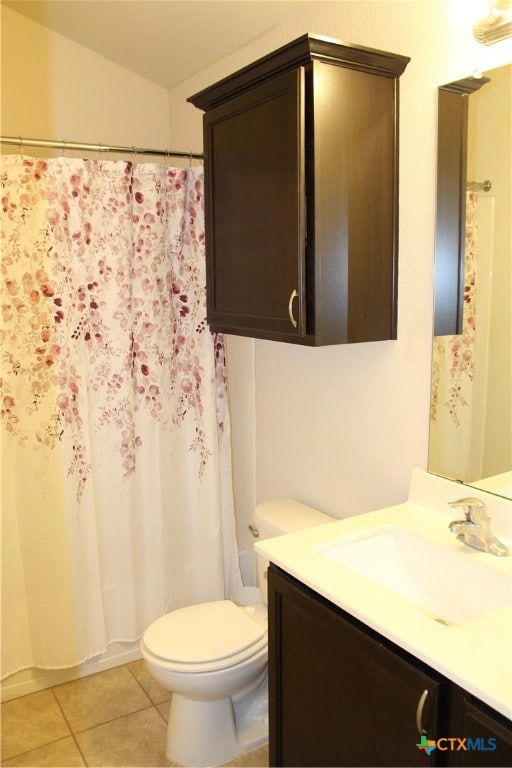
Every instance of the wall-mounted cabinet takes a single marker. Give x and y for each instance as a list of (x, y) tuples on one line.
[(301, 191)]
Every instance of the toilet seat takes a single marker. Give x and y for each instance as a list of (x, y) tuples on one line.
[(205, 637)]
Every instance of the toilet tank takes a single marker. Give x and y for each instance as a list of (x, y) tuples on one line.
[(277, 517)]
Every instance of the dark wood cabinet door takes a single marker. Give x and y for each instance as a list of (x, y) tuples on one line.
[(255, 210), (338, 695), (484, 737)]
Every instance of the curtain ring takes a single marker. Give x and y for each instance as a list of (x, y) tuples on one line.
[(21, 147), (190, 159), (64, 148)]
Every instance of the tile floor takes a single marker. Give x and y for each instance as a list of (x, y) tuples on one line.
[(114, 718)]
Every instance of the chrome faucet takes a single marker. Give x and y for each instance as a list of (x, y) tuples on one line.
[(475, 529)]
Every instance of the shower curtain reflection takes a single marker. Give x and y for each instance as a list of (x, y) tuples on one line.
[(459, 363), (116, 462)]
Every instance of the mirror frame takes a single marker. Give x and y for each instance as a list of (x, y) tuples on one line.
[(452, 139)]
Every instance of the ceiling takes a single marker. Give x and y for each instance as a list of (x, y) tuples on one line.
[(154, 38)]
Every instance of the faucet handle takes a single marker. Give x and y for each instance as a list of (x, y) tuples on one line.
[(475, 530), (474, 509)]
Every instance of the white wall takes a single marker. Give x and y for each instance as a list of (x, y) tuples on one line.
[(341, 427), (53, 88)]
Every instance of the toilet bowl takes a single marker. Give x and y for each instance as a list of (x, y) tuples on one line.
[(213, 658), (206, 655)]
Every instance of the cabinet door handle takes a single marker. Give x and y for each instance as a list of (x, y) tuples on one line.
[(293, 296), (419, 712)]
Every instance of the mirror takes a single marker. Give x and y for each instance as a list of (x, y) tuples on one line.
[(471, 395)]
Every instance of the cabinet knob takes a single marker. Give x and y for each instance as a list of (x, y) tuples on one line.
[(293, 296)]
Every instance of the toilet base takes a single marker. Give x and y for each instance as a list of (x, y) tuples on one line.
[(208, 733)]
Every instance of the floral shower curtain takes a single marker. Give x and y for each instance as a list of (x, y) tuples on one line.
[(453, 375), (116, 501)]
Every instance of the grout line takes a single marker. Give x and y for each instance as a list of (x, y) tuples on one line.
[(139, 683), (32, 749), (165, 719), (155, 703), (113, 719), (77, 745)]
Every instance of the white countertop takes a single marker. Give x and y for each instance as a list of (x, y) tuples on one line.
[(476, 655)]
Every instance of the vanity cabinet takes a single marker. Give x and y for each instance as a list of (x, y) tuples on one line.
[(301, 197), (342, 695)]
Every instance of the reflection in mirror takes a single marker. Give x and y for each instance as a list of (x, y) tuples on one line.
[(471, 401)]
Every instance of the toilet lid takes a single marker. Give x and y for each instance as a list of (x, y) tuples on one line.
[(204, 632)]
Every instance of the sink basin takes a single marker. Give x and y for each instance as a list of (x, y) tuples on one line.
[(447, 584)]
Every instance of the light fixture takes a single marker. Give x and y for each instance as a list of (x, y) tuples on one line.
[(497, 26)]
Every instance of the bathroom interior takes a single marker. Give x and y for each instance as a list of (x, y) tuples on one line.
[(343, 430)]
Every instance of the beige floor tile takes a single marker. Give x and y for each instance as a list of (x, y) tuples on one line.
[(59, 754), (134, 740), (257, 758), (30, 722), (96, 699), (156, 692)]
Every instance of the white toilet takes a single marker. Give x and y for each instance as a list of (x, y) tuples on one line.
[(213, 657)]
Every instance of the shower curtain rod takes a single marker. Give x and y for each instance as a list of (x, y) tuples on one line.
[(76, 145), (479, 186)]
